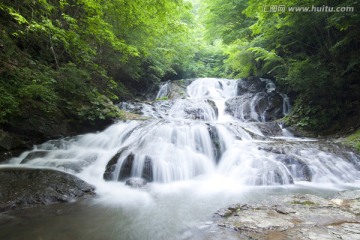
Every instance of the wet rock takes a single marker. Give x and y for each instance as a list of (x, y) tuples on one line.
[(271, 173), (193, 109), (133, 107), (21, 188), (215, 141), (126, 167), (175, 89), (273, 177), (136, 182), (64, 160), (178, 88), (195, 113), (213, 106), (257, 100), (269, 128), (147, 173), (272, 150), (200, 112), (251, 84), (34, 154), (111, 166), (10, 141), (7, 155), (295, 217), (298, 168), (261, 106)]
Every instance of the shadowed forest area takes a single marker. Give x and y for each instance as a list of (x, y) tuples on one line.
[(65, 64)]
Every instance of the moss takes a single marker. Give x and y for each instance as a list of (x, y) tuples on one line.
[(162, 98), (303, 202), (354, 140), (124, 115)]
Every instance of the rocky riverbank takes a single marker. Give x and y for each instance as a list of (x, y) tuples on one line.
[(22, 188), (290, 217)]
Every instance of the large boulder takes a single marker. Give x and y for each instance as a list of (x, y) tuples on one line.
[(111, 166), (294, 216), (21, 187), (251, 85)]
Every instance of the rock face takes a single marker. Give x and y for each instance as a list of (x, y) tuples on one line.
[(126, 168), (10, 141), (11, 145), (257, 100), (294, 217), (22, 187)]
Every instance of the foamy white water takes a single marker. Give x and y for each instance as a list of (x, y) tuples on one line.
[(212, 147), (196, 136)]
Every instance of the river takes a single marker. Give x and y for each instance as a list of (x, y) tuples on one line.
[(204, 144)]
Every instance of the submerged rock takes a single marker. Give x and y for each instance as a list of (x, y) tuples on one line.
[(298, 168), (21, 187), (33, 155), (136, 182)]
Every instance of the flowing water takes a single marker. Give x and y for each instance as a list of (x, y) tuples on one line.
[(206, 144)]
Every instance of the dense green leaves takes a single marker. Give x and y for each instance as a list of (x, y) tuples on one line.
[(74, 58), (312, 54)]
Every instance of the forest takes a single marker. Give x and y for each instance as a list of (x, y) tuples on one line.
[(179, 119), (66, 63)]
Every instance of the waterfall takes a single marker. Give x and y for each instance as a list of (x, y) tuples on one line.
[(218, 127)]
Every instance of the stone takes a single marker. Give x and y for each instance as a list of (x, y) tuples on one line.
[(294, 216), (126, 167), (22, 188), (9, 141), (299, 169), (34, 154), (136, 182)]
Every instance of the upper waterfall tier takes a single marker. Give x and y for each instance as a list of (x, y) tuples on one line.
[(209, 99)]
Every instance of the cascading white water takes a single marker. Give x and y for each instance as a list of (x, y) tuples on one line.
[(197, 136), (201, 152)]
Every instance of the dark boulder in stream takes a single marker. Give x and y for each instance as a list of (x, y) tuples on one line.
[(126, 167), (21, 187)]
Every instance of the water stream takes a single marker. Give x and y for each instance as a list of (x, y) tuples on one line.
[(206, 144)]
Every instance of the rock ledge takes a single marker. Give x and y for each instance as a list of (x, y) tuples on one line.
[(21, 187)]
